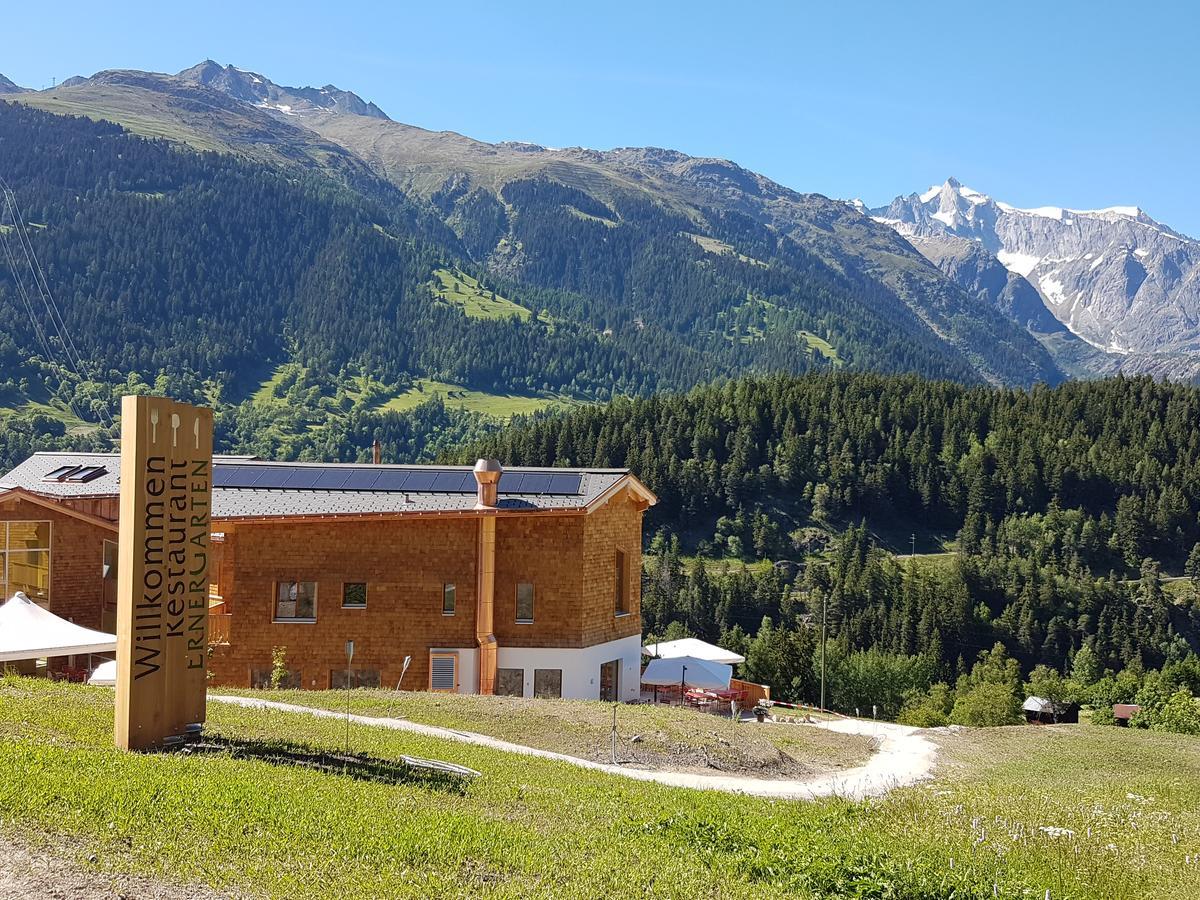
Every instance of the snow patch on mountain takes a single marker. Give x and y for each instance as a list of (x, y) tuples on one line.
[(1101, 272), (1021, 263)]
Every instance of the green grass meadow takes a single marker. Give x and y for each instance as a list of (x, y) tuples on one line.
[(535, 828), (498, 406), (462, 290)]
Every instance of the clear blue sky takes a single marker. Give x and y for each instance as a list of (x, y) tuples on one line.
[(1078, 104)]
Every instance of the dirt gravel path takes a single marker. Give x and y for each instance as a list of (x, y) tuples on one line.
[(904, 756), (27, 873)]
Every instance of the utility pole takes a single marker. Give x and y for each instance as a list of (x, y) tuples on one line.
[(913, 538), (823, 607)]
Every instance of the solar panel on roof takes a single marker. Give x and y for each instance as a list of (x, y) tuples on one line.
[(362, 480), (535, 483), (418, 482), (268, 476), (331, 479), (229, 476), (447, 482), (301, 479), (565, 484), (391, 480), (382, 480)]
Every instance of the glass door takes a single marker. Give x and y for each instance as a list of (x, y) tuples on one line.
[(610, 680)]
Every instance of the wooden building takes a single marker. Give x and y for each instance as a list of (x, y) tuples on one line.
[(522, 581)]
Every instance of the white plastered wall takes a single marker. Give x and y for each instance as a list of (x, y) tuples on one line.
[(580, 666)]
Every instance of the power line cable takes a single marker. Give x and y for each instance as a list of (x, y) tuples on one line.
[(43, 286), (74, 360), (24, 293)]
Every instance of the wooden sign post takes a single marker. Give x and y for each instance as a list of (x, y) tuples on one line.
[(162, 571)]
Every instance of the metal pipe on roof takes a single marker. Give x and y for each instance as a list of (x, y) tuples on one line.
[(487, 478)]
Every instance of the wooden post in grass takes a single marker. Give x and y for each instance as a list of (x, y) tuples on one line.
[(349, 675), (162, 571)]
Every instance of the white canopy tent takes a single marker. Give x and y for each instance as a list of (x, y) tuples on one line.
[(693, 647), (1037, 705), (29, 632), (105, 673), (701, 674)]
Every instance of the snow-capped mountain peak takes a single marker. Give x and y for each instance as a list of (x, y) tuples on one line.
[(1116, 277)]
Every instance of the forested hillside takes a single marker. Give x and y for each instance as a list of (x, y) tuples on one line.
[(213, 270), (202, 274), (1064, 506), (692, 267)]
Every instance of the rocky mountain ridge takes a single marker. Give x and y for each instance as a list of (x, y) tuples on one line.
[(260, 91), (1115, 277), (614, 207)]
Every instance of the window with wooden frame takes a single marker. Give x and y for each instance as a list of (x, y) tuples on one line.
[(25, 560), (622, 585), (443, 672), (295, 601), (354, 595), (525, 603)]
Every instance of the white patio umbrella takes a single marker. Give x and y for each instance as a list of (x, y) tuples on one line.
[(701, 674), (29, 632)]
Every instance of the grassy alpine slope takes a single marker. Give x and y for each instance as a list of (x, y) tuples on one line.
[(668, 737), (536, 828)]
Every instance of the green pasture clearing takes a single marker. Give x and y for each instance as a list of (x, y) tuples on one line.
[(588, 217), (1066, 812), (462, 290), (265, 393), (499, 406), (118, 105), (14, 403), (719, 248), (821, 345), (714, 564)]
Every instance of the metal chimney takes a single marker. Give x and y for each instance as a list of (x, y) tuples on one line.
[(487, 476)]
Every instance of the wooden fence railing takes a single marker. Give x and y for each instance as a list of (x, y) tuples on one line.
[(753, 692), (218, 627)]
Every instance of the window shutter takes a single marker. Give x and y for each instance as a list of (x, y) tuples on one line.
[(443, 672)]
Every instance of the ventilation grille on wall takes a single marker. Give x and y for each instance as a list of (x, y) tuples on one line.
[(442, 674)]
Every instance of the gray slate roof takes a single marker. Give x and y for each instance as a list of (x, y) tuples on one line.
[(236, 503)]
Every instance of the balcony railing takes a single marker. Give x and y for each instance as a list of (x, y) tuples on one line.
[(218, 627)]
